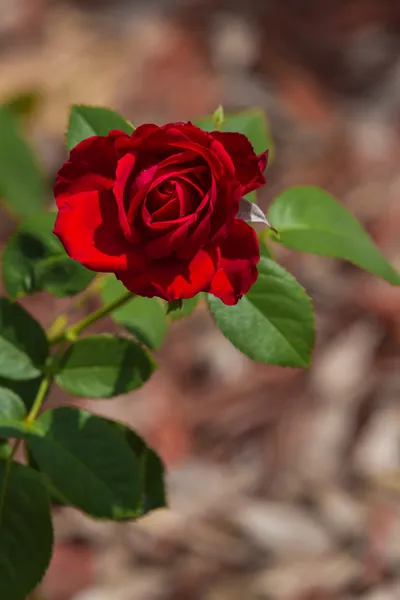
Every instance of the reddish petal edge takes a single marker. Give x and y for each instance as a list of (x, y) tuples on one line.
[(248, 166), (173, 279), (87, 225), (263, 160), (91, 166), (239, 255)]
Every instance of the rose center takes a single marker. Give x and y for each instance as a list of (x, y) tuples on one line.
[(166, 187), (171, 200), (162, 202)]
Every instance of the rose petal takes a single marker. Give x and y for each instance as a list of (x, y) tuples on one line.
[(173, 279), (188, 197), (172, 138), (225, 209), (124, 171), (159, 196), (239, 255), (248, 167), (169, 211), (194, 178), (97, 153), (86, 182), (172, 172), (191, 137), (168, 244), (91, 166), (141, 138), (263, 161), (181, 158), (200, 233), (139, 134), (88, 227), (150, 226), (140, 187)]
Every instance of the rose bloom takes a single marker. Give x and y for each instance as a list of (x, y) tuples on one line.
[(159, 209)]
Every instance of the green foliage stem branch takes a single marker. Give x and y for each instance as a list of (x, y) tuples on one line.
[(68, 334), (41, 396), (73, 332)]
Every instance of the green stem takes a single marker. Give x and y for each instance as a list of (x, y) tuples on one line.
[(9, 464), (58, 327), (40, 398), (71, 333), (33, 413)]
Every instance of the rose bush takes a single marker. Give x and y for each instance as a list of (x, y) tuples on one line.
[(159, 209), (162, 208)]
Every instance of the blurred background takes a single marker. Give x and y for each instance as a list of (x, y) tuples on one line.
[(283, 484)]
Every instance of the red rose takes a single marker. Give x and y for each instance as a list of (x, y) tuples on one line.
[(158, 208)]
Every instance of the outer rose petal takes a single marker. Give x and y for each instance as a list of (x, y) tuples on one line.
[(173, 279), (91, 166), (248, 167), (144, 131), (88, 227), (174, 138), (263, 160), (186, 135), (240, 253), (123, 172)]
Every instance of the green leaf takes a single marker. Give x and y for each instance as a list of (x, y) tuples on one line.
[(143, 317), (174, 305), (274, 322), (88, 462), (56, 498), (5, 449), (26, 534), (26, 390), (264, 249), (11, 406), (24, 105), (35, 260), (252, 123), (23, 343), (154, 487), (62, 276), (14, 428), (188, 306), (103, 366), (135, 442), (22, 185), (311, 220), (87, 121), (252, 197), (41, 227), (218, 116)]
